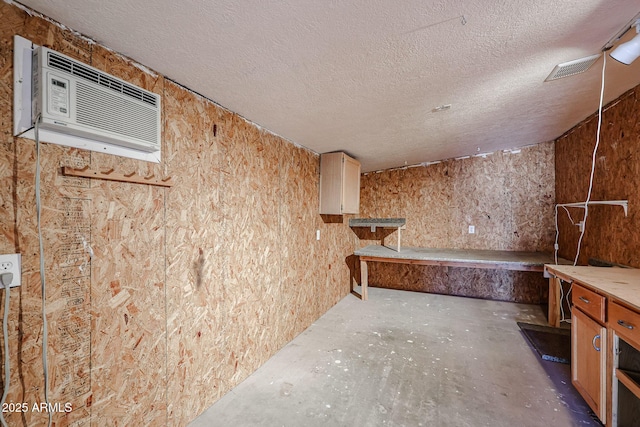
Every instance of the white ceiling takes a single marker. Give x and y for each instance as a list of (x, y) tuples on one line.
[(364, 76)]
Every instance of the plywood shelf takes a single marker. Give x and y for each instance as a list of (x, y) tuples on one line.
[(631, 380), (378, 222), (374, 223)]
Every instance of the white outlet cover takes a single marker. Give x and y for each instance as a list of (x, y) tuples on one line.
[(11, 264), (472, 229)]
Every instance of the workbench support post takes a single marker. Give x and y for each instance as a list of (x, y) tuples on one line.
[(364, 279)]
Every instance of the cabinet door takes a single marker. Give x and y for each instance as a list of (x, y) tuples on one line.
[(351, 186), (588, 361), (339, 184)]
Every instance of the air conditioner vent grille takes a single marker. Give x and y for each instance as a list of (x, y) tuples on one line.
[(62, 63), (109, 112)]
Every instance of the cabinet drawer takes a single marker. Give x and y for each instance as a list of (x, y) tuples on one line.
[(589, 302), (625, 322)]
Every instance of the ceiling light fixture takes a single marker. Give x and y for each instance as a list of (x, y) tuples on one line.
[(629, 51)]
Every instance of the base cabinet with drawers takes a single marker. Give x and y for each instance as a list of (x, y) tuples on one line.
[(588, 359), (605, 339)]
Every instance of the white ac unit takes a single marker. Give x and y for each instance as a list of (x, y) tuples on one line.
[(73, 98)]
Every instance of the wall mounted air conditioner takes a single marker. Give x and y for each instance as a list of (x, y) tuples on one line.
[(81, 106)]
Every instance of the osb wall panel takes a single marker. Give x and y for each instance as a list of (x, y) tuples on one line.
[(501, 285), (63, 213), (422, 278), (159, 300), (128, 346), (299, 248), (329, 269), (196, 261), (128, 281), (609, 236), (422, 195), (508, 197), (250, 191), (66, 219)]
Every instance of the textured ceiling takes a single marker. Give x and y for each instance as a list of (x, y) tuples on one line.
[(364, 76)]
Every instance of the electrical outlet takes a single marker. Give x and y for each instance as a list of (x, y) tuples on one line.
[(472, 229), (11, 264)]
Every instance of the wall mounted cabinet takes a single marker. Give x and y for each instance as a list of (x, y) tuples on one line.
[(339, 184)]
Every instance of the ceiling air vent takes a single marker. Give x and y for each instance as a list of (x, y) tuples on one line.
[(572, 68)]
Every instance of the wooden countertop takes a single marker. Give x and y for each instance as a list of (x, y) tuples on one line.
[(621, 284)]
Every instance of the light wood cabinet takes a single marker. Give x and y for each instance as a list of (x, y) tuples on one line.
[(339, 184), (605, 316), (588, 360)]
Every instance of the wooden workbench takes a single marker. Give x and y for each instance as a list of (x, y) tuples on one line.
[(468, 258)]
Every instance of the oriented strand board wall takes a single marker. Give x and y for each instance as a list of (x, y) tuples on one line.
[(609, 235), (159, 301), (507, 196)]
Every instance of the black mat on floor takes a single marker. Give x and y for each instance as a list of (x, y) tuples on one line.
[(552, 344)]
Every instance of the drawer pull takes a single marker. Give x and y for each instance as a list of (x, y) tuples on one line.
[(625, 324), (597, 337), (584, 300)]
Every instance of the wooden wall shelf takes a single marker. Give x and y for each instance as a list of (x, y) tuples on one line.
[(373, 223)]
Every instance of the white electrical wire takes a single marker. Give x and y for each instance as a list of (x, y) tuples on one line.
[(593, 163), (562, 318), (586, 203), (555, 245), (593, 169), (43, 282), (7, 361), (569, 215)]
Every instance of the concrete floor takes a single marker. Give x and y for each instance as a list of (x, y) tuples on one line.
[(408, 359)]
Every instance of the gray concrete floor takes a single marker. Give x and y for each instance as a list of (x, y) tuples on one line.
[(408, 359)]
